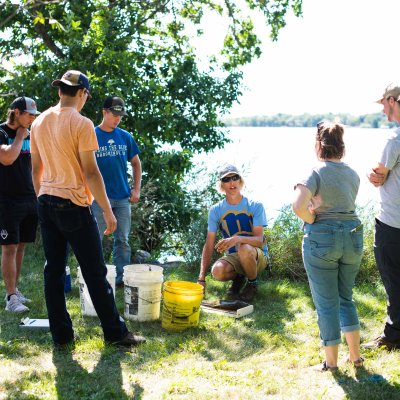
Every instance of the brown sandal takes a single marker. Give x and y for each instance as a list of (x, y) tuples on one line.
[(325, 367), (359, 363)]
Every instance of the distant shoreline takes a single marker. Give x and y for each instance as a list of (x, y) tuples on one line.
[(375, 121)]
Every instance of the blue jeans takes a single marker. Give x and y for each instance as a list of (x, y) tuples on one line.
[(387, 256), (121, 248), (62, 222), (332, 251)]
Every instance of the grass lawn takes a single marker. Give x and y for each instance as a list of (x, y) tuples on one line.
[(266, 355)]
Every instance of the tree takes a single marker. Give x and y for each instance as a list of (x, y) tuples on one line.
[(140, 50)]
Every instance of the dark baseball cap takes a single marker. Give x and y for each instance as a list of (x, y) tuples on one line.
[(73, 78), (25, 104), (115, 104)]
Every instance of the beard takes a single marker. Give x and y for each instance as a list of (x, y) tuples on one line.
[(18, 121)]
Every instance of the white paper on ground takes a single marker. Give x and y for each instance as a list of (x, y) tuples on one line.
[(34, 323), (217, 307)]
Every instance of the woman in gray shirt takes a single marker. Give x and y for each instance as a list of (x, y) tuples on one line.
[(332, 243)]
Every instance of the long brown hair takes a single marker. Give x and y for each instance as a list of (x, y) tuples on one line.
[(10, 116)]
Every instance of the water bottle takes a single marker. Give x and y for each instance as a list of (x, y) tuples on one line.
[(67, 282)]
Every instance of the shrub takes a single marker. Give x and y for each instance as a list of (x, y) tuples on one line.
[(368, 270), (285, 241)]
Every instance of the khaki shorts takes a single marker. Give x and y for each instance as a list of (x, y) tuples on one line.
[(233, 259)]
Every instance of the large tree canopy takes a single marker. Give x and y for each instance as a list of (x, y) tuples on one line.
[(142, 51)]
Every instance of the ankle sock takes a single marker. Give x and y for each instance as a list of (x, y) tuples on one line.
[(9, 296)]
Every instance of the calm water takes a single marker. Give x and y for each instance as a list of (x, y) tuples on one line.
[(274, 159)]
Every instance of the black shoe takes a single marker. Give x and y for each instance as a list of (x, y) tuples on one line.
[(380, 341), (69, 345), (237, 284), (130, 340), (248, 292)]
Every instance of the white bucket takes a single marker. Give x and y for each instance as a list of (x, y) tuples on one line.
[(142, 292), (86, 302)]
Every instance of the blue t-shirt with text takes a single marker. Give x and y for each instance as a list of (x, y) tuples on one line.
[(116, 149), (237, 219)]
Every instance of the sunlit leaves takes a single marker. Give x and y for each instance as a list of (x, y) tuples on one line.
[(141, 50), (241, 45), (39, 19)]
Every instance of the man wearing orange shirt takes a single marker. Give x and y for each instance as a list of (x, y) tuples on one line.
[(65, 174)]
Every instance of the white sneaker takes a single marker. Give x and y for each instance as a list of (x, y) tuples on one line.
[(21, 297), (14, 305)]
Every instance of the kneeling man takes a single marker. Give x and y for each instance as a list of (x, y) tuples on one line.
[(241, 222)]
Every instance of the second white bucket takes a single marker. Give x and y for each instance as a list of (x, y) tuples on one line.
[(142, 292), (86, 302)]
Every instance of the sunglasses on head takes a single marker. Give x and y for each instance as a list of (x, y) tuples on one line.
[(226, 179)]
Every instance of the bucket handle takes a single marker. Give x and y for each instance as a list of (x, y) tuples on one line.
[(149, 301)]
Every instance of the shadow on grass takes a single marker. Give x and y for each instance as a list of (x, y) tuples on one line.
[(366, 385), (72, 381), (233, 339), (278, 303)]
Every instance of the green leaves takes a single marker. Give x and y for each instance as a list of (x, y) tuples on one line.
[(39, 19), (143, 51)]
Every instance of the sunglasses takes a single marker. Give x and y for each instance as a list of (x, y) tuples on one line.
[(227, 179), (88, 94)]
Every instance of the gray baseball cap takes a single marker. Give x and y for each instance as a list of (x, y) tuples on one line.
[(226, 170), (25, 104), (393, 90)]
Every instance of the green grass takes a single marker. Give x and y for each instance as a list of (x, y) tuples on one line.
[(266, 355)]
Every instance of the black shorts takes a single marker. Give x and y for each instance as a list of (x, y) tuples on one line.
[(18, 221)]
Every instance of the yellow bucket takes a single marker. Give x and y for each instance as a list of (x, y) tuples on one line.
[(181, 305)]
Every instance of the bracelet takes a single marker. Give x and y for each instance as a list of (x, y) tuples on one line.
[(200, 280)]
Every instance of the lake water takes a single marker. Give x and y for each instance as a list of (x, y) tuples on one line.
[(274, 159)]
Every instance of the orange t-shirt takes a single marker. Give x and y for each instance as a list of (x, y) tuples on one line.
[(58, 135)]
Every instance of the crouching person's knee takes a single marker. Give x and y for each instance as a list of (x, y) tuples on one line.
[(245, 250), (218, 271)]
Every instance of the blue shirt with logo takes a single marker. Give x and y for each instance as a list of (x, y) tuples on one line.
[(237, 219), (116, 149)]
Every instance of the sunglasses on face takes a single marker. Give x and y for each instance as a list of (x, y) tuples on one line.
[(88, 94), (227, 179)]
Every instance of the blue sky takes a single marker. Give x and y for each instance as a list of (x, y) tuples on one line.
[(338, 57)]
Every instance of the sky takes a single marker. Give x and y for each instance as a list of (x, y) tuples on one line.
[(338, 57)]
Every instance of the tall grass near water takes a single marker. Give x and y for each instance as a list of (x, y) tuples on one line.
[(284, 238)]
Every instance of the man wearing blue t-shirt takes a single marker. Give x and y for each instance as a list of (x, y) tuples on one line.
[(241, 222), (116, 148)]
